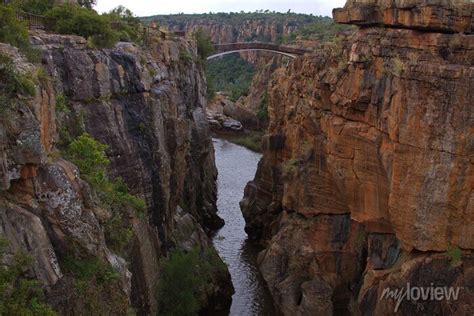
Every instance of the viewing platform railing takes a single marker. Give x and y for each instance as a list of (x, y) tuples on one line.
[(34, 21), (40, 22)]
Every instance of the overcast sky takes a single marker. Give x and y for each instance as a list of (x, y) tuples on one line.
[(152, 7)]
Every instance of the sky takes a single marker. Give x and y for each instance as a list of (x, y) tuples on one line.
[(153, 7)]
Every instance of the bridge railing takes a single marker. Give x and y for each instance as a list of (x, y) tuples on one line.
[(259, 45)]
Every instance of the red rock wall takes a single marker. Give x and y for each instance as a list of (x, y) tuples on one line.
[(366, 179)]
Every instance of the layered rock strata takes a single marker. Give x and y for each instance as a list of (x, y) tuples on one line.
[(366, 178)]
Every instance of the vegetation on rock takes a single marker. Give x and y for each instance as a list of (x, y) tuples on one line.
[(250, 140), (90, 157), (203, 43), (184, 277), (15, 33), (12, 83), (102, 30), (324, 30), (71, 19), (20, 295), (234, 18)]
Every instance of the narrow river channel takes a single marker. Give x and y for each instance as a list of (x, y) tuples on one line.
[(237, 166)]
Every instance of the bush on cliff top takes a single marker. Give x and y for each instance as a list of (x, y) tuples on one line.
[(71, 19), (38, 7), (128, 26), (12, 31)]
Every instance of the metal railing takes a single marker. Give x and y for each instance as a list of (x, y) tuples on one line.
[(34, 21)]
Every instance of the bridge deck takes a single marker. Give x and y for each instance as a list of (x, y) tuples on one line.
[(228, 48)]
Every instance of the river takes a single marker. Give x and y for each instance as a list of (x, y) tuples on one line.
[(237, 166)]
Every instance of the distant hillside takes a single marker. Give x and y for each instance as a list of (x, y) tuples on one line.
[(262, 26)]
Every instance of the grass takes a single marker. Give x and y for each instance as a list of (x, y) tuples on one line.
[(252, 141), (455, 255)]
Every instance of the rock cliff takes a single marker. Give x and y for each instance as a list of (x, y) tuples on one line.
[(148, 107), (366, 178)]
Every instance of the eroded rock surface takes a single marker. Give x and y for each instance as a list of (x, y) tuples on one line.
[(148, 107), (366, 178)]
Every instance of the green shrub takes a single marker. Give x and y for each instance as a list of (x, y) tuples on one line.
[(71, 19), (39, 7), (15, 33), (91, 268), (62, 104), (11, 30), (203, 43), (185, 56), (13, 83), (183, 278), (455, 255), (18, 294), (90, 157), (126, 25)]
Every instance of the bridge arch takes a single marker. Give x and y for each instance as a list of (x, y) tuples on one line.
[(230, 48)]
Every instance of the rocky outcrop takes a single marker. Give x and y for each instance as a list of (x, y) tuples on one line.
[(427, 15), (148, 107), (365, 181)]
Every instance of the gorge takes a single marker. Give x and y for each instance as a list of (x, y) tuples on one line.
[(117, 199)]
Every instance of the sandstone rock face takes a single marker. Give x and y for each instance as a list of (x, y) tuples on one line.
[(366, 178), (427, 15), (230, 30), (149, 109)]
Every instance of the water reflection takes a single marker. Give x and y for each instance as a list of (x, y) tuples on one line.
[(237, 166)]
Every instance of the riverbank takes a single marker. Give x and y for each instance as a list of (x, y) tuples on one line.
[(251, 140)]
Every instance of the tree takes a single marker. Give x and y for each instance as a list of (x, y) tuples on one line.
[(204, 44), (87, 3)]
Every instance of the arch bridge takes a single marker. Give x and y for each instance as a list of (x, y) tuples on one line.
[(229, 48)]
